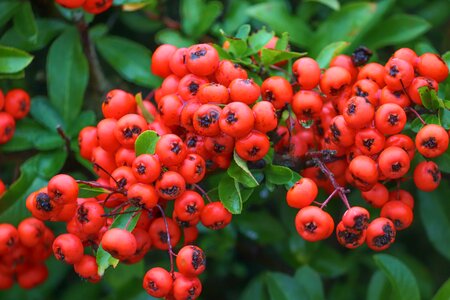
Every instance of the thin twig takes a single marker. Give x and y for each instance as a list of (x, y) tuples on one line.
[(202, 191), (64, 137), (171, 254)]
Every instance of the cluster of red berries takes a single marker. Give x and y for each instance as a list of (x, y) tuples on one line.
[(359, 113), (90, 6), (14, 106), (23, 251)]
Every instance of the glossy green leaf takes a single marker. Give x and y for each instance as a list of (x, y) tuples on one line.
[(443, 161), (280, 19), (67, 74), (396, 30), (329, 52), (379, 287), (284, 287), (173, 37), (13, 60), (29, 134), (278, 174), (295, 177), (240, 171), (417, 124), (243, 32), (104, 259), (135, 70), (444, 292), (311, 282), (25, 23), (430, 98), (229, 194), (84, 119), (435, 218), (45, 114), (7, 10), (258, 40), (146, 142), (333, 4), (198, 16), (86, 191), (272, 56), (402, 280)]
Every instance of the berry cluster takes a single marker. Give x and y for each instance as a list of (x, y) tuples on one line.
[(359, 114), (23, 251), (14, 106), (90, 6)]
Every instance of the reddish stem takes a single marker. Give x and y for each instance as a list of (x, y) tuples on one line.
[(109, 174), (417, 115), (64, 137), (330, 175), (202, 191), (171, 254), (99, 185), (329, 198)]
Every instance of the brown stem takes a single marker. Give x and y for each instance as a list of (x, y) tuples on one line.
[(171, 254), (202, 191), (417, 115), (64, 137), (329, 198)]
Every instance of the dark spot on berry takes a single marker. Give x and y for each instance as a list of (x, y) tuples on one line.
[(82, 214), (23, 105), (141, 169), (191, 142), (121, 183), (198, 258), (254, 151), (351, 108), (171, 191), (209, 118), (361, 56), (368, 143), (136, 130), (430, 143), (231, 118), (384, 239), (127, 133), (361, 222), (361, 93), (191, 208), (269, 96), (198, 169), (396, 167), (218, 148), (350, 238), (163, 237), (175, 148), (397, 94), (191, 157), (435, 174), (107, 99), (199, 53), (393, 119), (43, 202), (393, 71), (335, 131), (59, 254), (310, 227), (193, 88)]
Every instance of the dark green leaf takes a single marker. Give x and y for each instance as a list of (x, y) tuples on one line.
[(86, 191), (329, 52), (84, 119), (255, 290), (444, 292), (29, 134), (43, 112), (278, 174), (230, 195), (260, 226), (311, 282), (222, 53), (240, 170), (295, 177), (173, 37), (191, 13), (210, 12), (333, 4), (402, 280), (7, 10), (445, 118), (284, 287), (258, 40), (146, 142), (24, 22), (135, 70), (435, 218), (13, 60), (272, 56), (396, 30), (417, 124), (104, 259), (67, 74), (430, 98), (379, 287), (343, 25), (235, 15), (280, 19)]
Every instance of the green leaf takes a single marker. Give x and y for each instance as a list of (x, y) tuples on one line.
[(444, 292), (198, 16), (67, 74), (29, 134), (86, 191), (7, 10), (443, 161), (43, 112), (210, 12), (135, 70), (24, 22), (284, 287), (379, 287), (260, 226), (13, 60), (243, 32), (230, 195), (173, 37), (280, 19), (343, 25), (283, 42), (222, 53), (258, 40), (295, 177), (240, 171), (395, 30), (254, 290), (104, 259), (272, 56), (333, 4), (430, 99), (417, 124), (311, 282), (146, 142), (147, 115), (329, 52), (33, 172), (402, 280), (84, 119), (435, 218), (278, 174)]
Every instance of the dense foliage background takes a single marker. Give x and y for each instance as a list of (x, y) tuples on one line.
[(67, 60)]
